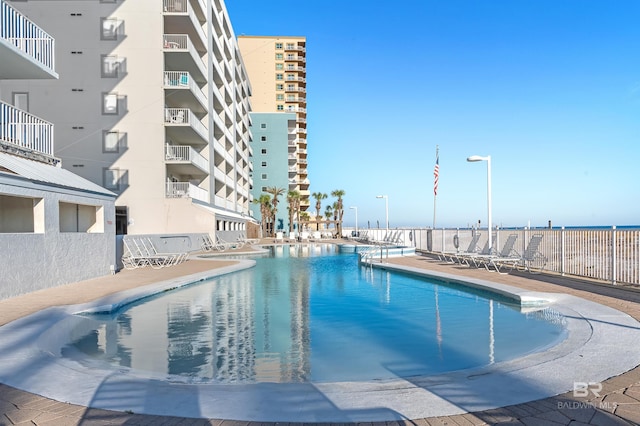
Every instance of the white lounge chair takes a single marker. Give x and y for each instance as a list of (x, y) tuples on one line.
[(506, 253), (530, 257), (451, 256)]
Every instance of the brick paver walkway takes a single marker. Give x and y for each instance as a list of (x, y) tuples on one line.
[(618, 404)]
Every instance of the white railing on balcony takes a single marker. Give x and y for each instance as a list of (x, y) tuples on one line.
[(175, 6), (299, 79), (183, 80), (18, 30), (182, 153), (25, 130), (186, 190), (181, 116)]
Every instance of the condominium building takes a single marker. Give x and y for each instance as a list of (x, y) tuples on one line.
[(277, 70), (153, 104), (55, 227), (271, 159)]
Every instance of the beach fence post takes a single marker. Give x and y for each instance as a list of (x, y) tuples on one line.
[(613, 255), (562, 251)]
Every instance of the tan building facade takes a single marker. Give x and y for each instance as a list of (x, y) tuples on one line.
[(152, 103), (277, 70)]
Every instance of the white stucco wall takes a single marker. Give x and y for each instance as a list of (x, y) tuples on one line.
[(34, 261)]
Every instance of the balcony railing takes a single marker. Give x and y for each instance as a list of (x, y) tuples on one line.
[(25, 130), (26, 36), (182, 117), (185, 153), (183, 80), (186, 190)]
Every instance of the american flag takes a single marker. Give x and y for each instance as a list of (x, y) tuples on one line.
[(436, 172)]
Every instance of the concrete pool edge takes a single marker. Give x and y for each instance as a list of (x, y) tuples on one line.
[(389, 400)]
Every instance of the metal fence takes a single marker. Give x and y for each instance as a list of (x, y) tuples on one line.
[(605, 254)]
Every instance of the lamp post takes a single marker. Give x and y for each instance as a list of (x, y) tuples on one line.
[(386, 205), (473, 159), (356, 209)]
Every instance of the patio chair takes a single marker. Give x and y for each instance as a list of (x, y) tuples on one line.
[(132, 257), (208, 244), (451, 255), (469, 258), (156, 259), (528, 261), (506, 254)]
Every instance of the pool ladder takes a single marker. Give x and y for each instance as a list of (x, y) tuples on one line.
[(368, 256)]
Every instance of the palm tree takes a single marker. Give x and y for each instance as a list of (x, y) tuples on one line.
[(339, 208), (293, 198), (265, 211), (319, 196), (276, 192), (328, 213)]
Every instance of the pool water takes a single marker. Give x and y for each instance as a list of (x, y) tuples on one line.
[(309, 313)]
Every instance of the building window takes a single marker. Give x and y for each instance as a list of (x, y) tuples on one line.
[(279, 56), (263, 151), (291, 77), (263, 138), (279, 66), (113, 179), (80, 218), (263, 125), (109, 28), (279, 97), (109, 103), (279, 46), (21, 215), (291, 46), (279, 77), (280, 107), (264, 164), (264, 176), (110, 141), (279, 86), (109, 66), (291, 87)]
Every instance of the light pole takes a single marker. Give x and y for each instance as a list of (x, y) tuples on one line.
[(386, 206), (356, 209), (473, 159)]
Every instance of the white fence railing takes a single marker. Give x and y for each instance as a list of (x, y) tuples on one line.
[(604, 254), (25, 130), (18, 30), (186, 190), (181, 153)]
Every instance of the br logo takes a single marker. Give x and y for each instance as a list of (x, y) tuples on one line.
[(582, 389)]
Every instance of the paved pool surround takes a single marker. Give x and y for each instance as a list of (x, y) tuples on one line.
[(600, 344)]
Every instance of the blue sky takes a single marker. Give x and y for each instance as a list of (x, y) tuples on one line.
[(550, 89)]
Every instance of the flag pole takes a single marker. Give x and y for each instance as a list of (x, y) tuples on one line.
[(436, 175)]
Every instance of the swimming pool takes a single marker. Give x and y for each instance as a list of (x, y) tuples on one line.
[(309, 313), (31, 359)]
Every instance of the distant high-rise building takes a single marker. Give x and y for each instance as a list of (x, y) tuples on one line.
[(277, 70), (153, 104)]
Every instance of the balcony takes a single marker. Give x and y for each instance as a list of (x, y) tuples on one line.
[(184, 160), (26, 50), (25, 132), (186, 190), (181, 17), (181, 54), (183, 126), (185, 92), (294, 48)]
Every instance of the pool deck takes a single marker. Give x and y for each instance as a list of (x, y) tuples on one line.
[(620, 395)]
